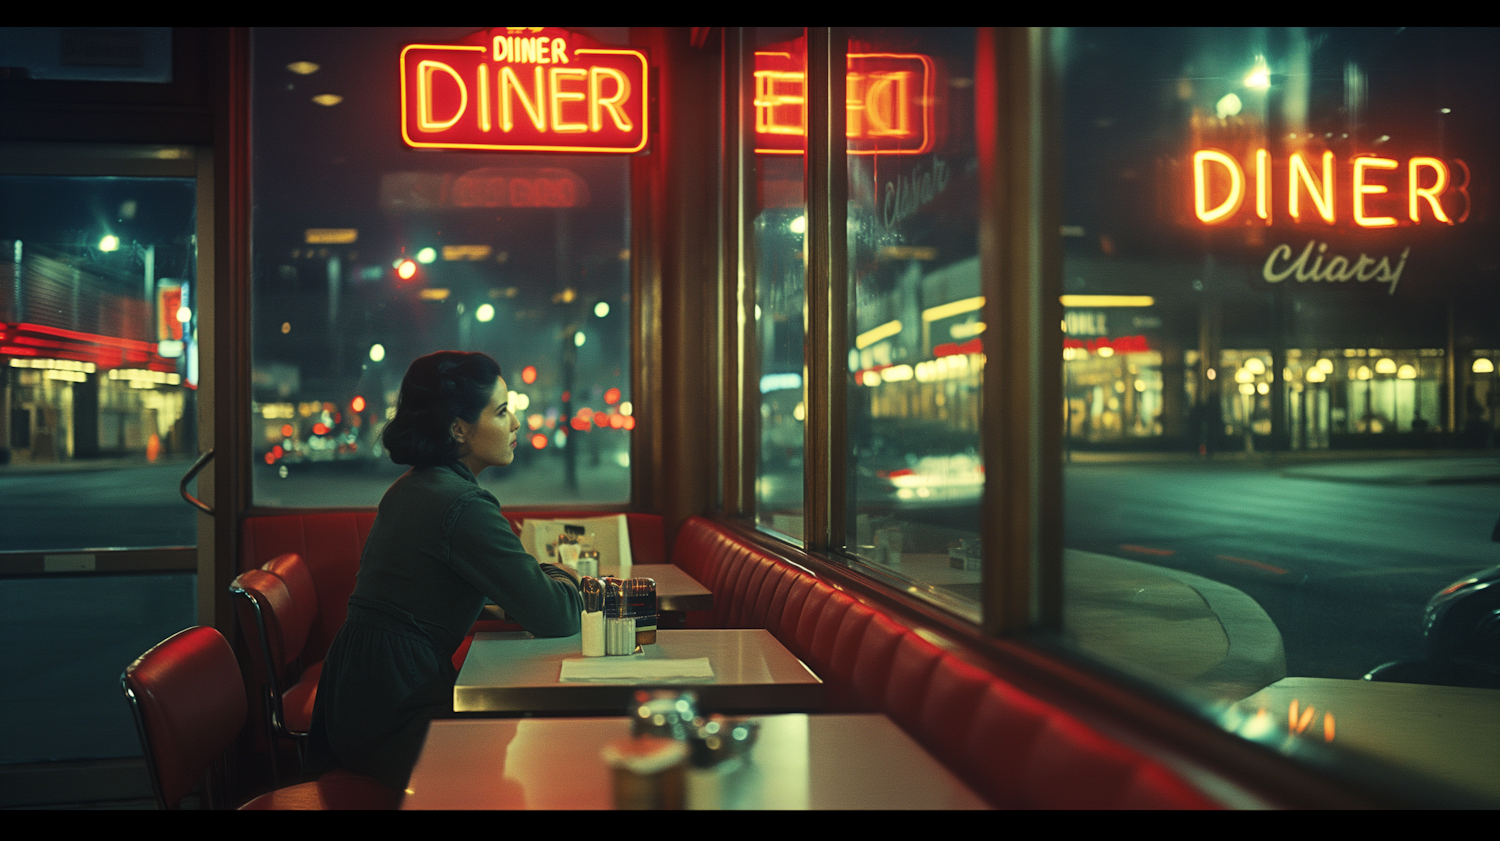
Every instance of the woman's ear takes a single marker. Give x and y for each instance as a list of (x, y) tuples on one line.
[(457, 432)]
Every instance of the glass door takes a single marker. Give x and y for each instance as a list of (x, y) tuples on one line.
[(100, 285)]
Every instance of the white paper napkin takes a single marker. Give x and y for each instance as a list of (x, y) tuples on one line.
[(635, 668)]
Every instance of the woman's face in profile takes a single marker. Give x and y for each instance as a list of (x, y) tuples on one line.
[(490, 440)]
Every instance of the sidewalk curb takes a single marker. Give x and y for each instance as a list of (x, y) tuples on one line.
[(1256, 657)]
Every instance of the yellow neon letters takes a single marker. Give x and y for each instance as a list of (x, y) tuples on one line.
[(1231, 203), (1431, 194), (1322, 199), (1220, 183), (425, 119), (1361, 189)]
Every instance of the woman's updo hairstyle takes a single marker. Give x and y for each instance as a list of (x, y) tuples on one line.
[(438, 388)]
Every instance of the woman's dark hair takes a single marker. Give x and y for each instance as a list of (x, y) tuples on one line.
[(437, 388)]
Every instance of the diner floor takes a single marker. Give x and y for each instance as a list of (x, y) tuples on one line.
[(101, 784)]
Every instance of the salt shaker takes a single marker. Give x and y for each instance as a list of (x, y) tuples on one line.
[(619, 625), (593, 616)]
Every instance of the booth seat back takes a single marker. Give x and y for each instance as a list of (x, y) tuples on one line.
[(1013, 749)]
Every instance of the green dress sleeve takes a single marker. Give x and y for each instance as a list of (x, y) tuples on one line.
[(487, 554)]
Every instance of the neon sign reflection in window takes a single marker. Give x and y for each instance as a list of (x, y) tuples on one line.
[(888, 100), (1315, 192)]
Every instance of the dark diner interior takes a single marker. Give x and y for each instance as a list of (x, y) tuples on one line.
[(446, 418)]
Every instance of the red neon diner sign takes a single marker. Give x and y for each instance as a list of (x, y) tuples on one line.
[(524, 89), (888, 99)]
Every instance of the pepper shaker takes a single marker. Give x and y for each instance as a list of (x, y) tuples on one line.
[(593, 616)]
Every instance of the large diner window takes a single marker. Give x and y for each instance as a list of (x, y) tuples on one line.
[(1280, 310), (900, 400), (369, 252), (915, 462), (777, 138)]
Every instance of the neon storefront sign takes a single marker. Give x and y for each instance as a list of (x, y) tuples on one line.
[(888, 100), (535, 89), (1318, 188)]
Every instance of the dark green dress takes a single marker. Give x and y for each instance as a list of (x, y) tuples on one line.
[(438, 547)]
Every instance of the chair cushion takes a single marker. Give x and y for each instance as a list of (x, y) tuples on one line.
[(190, 699)]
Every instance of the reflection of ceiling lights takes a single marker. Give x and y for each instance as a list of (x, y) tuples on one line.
[(302, 68), (328, 99)]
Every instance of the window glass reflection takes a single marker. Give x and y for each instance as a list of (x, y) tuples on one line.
[(916, 354), (780, 231), (368, 254), (1279, 390), (98, 360)]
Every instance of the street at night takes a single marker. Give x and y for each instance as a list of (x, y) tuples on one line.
[(1342, 555)]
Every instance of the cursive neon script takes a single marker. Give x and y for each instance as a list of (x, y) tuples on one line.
[(909, 193), (1338, 268)]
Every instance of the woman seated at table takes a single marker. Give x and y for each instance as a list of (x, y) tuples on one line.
[(438, 547)]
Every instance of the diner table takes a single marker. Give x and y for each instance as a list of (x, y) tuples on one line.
[(797, 761), (513, 672), (675, 590)]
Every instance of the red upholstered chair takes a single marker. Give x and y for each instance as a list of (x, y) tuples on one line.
[(188, 699), (276, 629)]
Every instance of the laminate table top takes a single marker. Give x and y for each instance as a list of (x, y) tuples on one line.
[(798, 761), (509, 673)]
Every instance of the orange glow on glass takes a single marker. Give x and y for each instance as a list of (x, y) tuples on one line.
[(538, 441), (777, 92), (1320, 192), (286, 430), (1327, 727), (1231, 203), (357, 404), (889, 100), (612, 396), (528, 374), (524, 89), (1416, 191), (1361, 189), (1263, 184), (1297, 723)]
